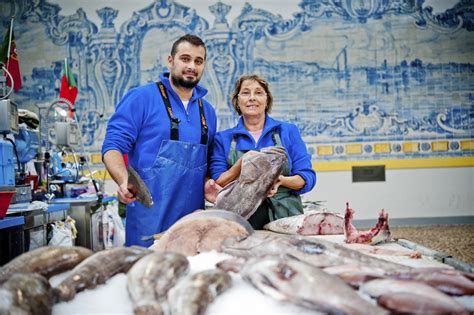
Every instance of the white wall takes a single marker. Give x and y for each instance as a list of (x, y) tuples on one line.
[(420, 193), (436, 192)]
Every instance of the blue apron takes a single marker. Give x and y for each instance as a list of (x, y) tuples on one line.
[(175, 180)]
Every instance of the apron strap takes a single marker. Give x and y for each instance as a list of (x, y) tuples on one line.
[(204, 129), (276, 138), (175, 121)]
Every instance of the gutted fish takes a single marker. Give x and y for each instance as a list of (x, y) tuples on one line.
[(98, 268), (289, 279), (405, 296), (150, 279), (47, 261), (380, 233), (193, 294), (311, 223), (26, 293), (319, 253), (259, 172), (202, 231)]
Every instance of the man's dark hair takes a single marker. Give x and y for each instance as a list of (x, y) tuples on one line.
[(192, 39)]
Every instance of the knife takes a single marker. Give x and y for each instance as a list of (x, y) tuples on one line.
[(143, 194)]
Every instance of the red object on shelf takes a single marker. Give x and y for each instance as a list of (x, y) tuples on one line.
[(31, 180), (5, 199)]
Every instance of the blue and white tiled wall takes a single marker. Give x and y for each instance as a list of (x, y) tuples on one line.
[(362, 79)]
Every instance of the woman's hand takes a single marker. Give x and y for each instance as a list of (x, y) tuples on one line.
[(277, 184), (211, 189), (295, 182)]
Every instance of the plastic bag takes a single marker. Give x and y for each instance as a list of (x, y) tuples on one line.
[(109, 231), (114, 231), (64, 233)]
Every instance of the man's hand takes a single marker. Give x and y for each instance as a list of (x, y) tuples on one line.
[(211, 189), (274, 189), (126, 193)]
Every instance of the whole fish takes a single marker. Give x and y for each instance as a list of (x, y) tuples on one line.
[(319, 253), (98, 268), (354, 274), (193, 294), (259, 172), (150, 279), (449, 281), (289, 279), (26, 293), (311, 223), (47, 261), (202, 231), (405, 296)]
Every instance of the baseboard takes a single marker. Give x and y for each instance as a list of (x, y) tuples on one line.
[(418, 221)]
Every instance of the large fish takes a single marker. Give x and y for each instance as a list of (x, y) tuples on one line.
[(26, 293), (193, 294), (410, 297), (289, 279), (98, 268), (202, 231), (449, 281), (319, 253), (47, 261), (259, 172), (150, 279), (311, 223)]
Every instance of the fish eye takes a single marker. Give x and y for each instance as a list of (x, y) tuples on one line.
[(310, 247)]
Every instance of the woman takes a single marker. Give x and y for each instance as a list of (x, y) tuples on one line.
[(253, 101)]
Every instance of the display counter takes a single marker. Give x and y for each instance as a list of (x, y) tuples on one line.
[(87, 212), (11, 238)]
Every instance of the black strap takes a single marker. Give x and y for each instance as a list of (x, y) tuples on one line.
[(175, 121), (204, 129)]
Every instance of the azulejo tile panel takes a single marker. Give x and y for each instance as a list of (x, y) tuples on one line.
[(361, 79)]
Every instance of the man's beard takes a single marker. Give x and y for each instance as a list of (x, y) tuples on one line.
[(182, 82)]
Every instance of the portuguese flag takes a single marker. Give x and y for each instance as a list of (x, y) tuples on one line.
[(9, 56), (68, 88)]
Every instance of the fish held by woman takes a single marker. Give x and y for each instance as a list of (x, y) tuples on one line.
[(259, 172)]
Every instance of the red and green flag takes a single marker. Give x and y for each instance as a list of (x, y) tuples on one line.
[(68, 88), (9, 57)]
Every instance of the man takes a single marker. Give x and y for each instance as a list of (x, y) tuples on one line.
[(165, 128)]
